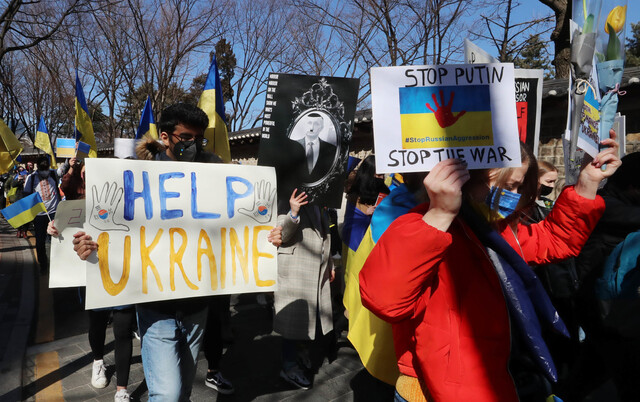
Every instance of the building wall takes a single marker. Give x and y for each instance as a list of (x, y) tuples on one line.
[(552, 152)]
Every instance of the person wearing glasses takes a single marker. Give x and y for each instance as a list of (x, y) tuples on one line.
[(171, 331)]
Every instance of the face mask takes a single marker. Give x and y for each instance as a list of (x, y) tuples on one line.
[(507, 201), (545, 190), (44, 173), (186, 151)]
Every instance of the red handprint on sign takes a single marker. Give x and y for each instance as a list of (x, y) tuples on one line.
[(443, 113)]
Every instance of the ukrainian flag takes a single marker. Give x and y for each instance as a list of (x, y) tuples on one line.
[(84, 128), (372, 337), (445, 116), (393, 180), (213, 105), (24, 210), (44, 143), (10, 147), (147, 122)]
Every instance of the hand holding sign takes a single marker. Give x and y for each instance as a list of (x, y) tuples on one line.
[(443, 113), (263, 200), (104, 207)]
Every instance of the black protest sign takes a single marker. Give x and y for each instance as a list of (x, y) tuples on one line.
[(528, 106), (306, 132)]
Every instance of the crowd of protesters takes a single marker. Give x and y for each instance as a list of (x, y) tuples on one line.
[(486, 285)]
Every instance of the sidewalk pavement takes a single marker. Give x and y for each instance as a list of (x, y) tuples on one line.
[(252, 363), (58, 366), (17, 306)]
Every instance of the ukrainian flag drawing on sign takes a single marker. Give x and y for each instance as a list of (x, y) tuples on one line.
[(445, 116)]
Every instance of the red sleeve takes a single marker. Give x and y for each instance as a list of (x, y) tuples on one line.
[(401, 265), (564, 231)]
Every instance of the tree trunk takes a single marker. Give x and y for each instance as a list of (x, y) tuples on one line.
[(560, 36)]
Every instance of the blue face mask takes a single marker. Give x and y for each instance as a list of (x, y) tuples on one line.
[(507, 201)]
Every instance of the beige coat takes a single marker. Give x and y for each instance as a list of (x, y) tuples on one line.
[(304, 271)]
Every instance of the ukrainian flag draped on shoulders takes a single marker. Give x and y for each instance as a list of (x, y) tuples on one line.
[(212, 103), (84, 128), (43, 142), (372, 337), (147, 124), (10, 148)]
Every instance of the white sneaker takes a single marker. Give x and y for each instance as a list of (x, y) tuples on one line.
[(98, 374), (122, 396)]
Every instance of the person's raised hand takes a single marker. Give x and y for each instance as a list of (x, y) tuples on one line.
[(297, 201), (444, 187), (592, 173), (83, 245)]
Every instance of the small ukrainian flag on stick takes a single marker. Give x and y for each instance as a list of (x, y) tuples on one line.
[(24, 210)]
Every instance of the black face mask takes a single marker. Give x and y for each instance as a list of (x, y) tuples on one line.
[(545, 190), (186, 151)]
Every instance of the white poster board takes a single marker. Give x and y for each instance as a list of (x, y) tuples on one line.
[(171, 230), (528, 86), (474, 54), (66, 268), (124, 148), (425, 114)]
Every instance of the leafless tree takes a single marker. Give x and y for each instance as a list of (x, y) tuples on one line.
[(169, 35), (560, 36), (259, 32), (24, 24), (507, 35)]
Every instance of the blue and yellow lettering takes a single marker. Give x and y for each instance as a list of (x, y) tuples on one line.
[(164, 194), (130, 195), (195, 214), (232, 196)]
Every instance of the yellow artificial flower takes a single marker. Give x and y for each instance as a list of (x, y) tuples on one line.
[(615, 19)]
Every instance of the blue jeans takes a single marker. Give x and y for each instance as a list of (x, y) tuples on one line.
[(170, 346)]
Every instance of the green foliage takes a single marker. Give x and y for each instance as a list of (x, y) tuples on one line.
[(134, 103), (633, 46), (534, 55), (613, 46), (226, 60), (226, 66)]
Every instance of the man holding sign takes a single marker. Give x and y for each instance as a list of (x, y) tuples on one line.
[(172, 330)]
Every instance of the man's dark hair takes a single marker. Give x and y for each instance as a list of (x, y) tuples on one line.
[(43, 163), (184, 113)]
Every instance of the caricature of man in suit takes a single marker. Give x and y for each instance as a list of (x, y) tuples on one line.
[(318, 154)]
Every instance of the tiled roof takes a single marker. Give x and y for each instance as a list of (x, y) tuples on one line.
[(560, 86), (557, 87)]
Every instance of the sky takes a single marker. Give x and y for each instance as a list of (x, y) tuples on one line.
[(532, 9)]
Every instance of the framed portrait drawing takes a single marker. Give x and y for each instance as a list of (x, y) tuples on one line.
[(306, 132)]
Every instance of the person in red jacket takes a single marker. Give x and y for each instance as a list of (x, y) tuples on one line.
[(451, 276)]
